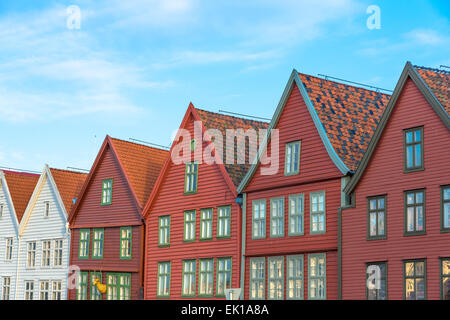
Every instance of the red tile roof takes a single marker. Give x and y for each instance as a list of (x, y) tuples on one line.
[(349, 115), (142, 165), (21, 186), (439, 83), (212, 120), (69, 184)]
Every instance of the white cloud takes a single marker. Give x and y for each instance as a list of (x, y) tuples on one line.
[(426, 37)]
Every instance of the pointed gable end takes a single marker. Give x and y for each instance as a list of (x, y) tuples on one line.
[(434, 84), (21, 186)]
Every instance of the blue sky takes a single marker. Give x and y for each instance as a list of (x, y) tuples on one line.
[(133, 66)]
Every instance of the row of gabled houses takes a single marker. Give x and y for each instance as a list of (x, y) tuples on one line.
[(348, 197)]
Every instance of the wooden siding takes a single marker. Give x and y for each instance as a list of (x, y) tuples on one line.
[(8, 229), (38, 228), (295, 124), (384, 175), (212, 193)]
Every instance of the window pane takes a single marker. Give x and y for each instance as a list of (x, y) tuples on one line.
[(417, 136), (409, 137), (409, 156), (419, 219), (380, 223), (417, 155), (447, 194), (447, 215)]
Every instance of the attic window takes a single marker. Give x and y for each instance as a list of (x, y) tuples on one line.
[(193, 144), (46, 209), (1, 210), (107, 191)]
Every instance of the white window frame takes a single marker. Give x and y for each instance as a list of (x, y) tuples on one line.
[(2, 206), (206, 223), (46, 252), (317, 213), (57, 290), (9, 248), (275, 279), (276, 220), (6, 288), (31, 254), (289, 160), (46, 209), (29, 290), (224, 222), (317, 278), (295, 215), (259, 223), (58, 252), (294, 278), (44, 290), (257, 279)]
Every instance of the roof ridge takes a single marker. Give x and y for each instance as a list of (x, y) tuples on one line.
[(345, 84), (68, 171), (226, 115), (431, 69), (139, 144)]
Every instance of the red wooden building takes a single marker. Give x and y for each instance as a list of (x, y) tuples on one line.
[(290, 245), (107, 223), (193, 235), (396, 237)]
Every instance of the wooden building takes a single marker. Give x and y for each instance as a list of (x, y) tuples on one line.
[(193, 237), (107, 224), (44, 236), (16, 189), (396, 237), (318, 135)]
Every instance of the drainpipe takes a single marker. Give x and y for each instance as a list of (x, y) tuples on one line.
[(17, 265), (244, 228)]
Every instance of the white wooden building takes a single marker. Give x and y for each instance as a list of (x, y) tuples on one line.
[(44, 236), (15, 191)]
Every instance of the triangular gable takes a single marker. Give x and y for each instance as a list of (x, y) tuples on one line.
[(20, 187), (107, 143), (408, 72), (64, 205), (191, 111), (10, 204), (294, 80)]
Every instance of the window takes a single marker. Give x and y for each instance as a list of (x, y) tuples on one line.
[(317, 212), (46, 252), (415, 212), (31, 254), (276, 217), (1, 209), (97, 243), (206, 222), (189, 280), (296, 215), (9, 249), (163, 279), (223, 276), (445, 208), (57, 290), (317, 282), (376, 211), (413, 153), (82, 286), (107, 191), (189, 226), (259, 219), (58, 253), (164, 231), (415, 279), (29, 290), (191, 174), (275, 278), (292, 158), (376, 288), (95, 294), (46, 209), (44, 290), (445, 279), (206, 278), (118, 286), (257, 278), (294, 278), (83, 252), (224, 222), (6, 289), (126, 235)]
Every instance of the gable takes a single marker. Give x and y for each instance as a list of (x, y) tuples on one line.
[(122, 211), (295, 123), (8, 222)]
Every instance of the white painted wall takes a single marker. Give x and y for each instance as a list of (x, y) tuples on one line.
[(36, 227)]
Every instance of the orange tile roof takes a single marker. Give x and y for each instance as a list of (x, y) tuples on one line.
[(439, 83), (69, 184), (212, 120), (142, 165), (21, 186), (349, 115)]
